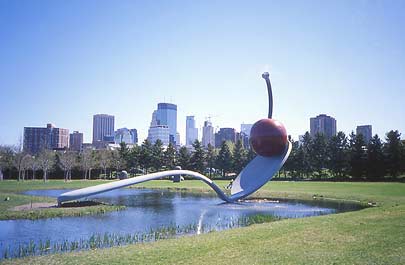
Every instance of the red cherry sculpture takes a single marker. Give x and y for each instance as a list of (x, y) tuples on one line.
[(268, 137)]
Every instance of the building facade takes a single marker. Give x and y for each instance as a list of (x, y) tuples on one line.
[(323, 124), (166, 114), (38, 138), (244, 139), (161, 132), (246, 128), (124, 135), (134, 135), (366, 131), (103, 125), (208, 136), (76, 141), (225, 134), (191, 131)]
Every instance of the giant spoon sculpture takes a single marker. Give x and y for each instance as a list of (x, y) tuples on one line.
[(268, 138)]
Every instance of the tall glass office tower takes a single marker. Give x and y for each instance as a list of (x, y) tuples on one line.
[(191, 131), (166, 114)]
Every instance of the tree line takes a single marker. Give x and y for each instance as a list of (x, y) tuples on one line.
[(339, 158), (347, 158), (143, 159)]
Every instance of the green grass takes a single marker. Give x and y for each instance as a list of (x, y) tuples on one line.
[(12, 190), (370, 236), (15, 186)]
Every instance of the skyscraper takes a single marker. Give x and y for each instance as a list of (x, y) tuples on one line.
[(38, 138), (103, 125), (157, 131), (166, 114), (225, 134), (246, 128), (323, 124), (366, 131), (208, 136), (191, 131), (76, 141), (160, 132)]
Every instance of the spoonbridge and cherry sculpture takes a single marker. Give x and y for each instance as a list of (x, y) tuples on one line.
[(268, 139)]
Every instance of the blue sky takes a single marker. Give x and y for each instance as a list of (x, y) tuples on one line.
[(63, 61)]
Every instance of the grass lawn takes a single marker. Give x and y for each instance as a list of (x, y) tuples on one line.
[(10, 197), (374, 235)]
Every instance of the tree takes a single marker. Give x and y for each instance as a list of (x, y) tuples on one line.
[(124, 153), (33, 164), (46, 160), (291, 163), (403, 157), (299, 161), (2, 162), (86, 159), (318, 154), (307, 167), (211, 157), (338, 155), (133, 158), (375, 160), (19, 163), (169, 157), (26, 165), (183, 158), (6, 158), (357, 156), (197, 157), (117, 161), (250, 155), (224, 159), (393, 151), (239, 157), (67, 161), (157, 155), (145, 156), (104, 160)]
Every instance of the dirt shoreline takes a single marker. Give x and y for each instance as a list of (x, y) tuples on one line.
[(34, 206)]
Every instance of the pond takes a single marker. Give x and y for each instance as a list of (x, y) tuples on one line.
[(149, 215)]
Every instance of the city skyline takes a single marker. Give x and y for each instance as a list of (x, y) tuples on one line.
[(243, 128), (123, 59)]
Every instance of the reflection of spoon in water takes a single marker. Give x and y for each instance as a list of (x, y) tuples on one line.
[(200, 221), (268, 138)]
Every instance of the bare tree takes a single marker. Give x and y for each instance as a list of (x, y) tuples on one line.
[(19, 162), (104, 159), (25, 165), (67, 161), (46, 161), (87, 162), (33, 164)]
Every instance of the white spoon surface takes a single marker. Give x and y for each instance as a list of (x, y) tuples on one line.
[(257, 173)]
